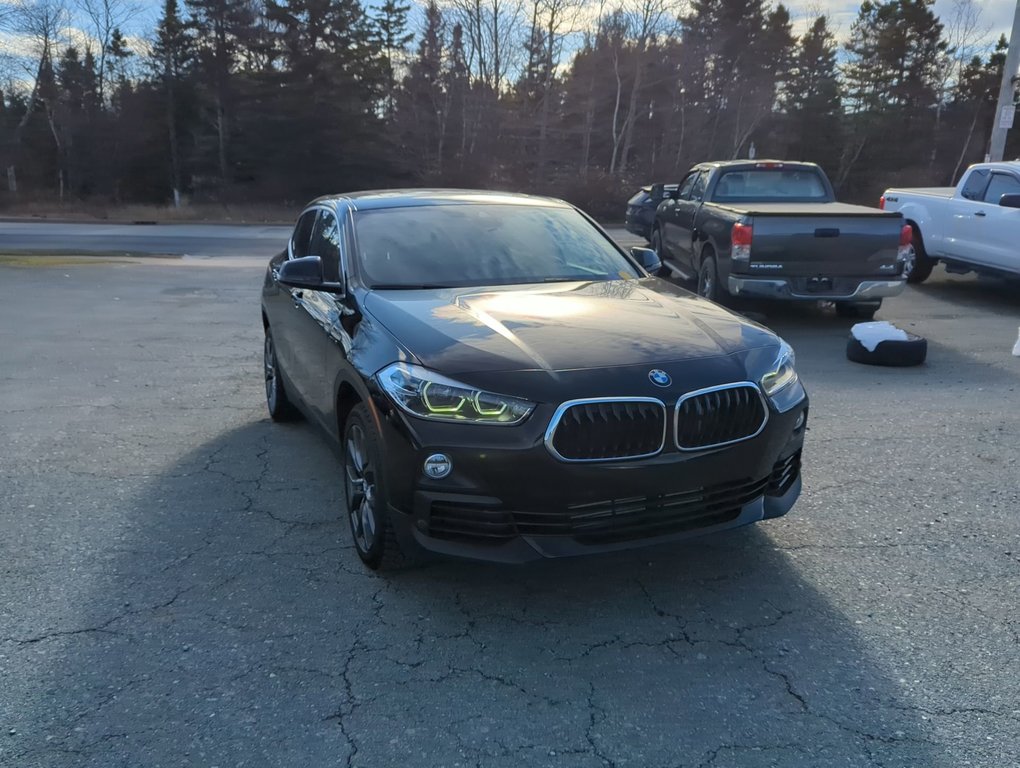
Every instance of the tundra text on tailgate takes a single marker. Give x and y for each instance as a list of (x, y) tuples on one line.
[(773, 230)]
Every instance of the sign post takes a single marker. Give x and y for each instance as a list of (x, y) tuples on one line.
[(1006, 108)]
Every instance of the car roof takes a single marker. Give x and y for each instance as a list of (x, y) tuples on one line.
[(1002, 165), (753, 163), (369, 200)]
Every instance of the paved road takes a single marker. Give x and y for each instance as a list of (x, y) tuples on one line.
[(200, 240), (177, 588)]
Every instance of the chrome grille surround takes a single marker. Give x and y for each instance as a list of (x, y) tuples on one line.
[(550, 433), (749, 385)]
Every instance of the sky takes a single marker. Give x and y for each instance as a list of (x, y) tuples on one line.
[(996, 17)]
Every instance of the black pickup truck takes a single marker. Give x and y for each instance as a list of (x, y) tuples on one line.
[(773, 229)]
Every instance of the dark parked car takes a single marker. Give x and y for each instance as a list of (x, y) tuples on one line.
[(640, 216), (506, 383), (773, 230)]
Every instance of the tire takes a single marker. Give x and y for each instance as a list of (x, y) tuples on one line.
[(913, 351), (922, 265), (861, 310), (365, 496), (281, 408), (656, 243), (708, 279)]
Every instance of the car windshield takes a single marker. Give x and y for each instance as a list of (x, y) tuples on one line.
[(480, 244), (770, 184)]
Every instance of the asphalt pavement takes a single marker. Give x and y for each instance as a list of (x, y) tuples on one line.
[(198, 240), (193, 240), (178, 587)]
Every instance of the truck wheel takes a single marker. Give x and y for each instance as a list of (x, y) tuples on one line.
[(656, 243), (708, 279), (918, 265), (862, 310)]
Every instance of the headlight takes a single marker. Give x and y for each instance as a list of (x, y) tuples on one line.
[(428, 395), (782, 374), (781, 383)]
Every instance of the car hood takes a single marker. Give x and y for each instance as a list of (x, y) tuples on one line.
[(561, 326)]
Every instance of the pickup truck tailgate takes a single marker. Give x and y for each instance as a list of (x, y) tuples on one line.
[(836, 240)]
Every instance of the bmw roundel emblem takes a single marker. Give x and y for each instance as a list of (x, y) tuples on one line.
[(659, 378)]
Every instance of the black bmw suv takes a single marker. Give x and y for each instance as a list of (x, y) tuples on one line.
[(507, 384)]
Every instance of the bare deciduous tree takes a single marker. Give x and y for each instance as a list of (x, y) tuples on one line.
[(103, 17), (43, 24)]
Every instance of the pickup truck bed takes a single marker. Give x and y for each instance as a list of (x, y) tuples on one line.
[(802, 209)]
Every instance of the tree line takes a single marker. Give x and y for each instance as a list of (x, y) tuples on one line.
[(281, 100)]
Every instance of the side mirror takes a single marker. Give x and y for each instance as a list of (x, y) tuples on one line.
[(671, 193), (306, 272), (647, 258), (1011, 200)]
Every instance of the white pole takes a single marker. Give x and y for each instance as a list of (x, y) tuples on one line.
[(1005, 107)]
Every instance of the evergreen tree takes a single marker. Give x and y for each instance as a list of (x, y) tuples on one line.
[(893, 54), (219, 26), (322, 101), (423, 109), (394, 38), (812, 98), (172, 57)]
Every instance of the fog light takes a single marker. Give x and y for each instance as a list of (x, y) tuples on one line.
[(438, 466), (800, 421)]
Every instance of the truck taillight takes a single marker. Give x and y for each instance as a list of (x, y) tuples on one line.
[(881, 202), (740, 238), (906, 249)]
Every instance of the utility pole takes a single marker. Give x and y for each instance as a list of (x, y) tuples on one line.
[(1005, 109)]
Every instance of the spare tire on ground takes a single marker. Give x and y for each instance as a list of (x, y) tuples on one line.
[(883, 343)]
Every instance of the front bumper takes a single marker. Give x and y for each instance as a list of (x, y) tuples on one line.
[(511, 501), (795, 289)]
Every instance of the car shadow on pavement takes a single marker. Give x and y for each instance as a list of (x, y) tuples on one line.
[(988, 293), (237, 626)]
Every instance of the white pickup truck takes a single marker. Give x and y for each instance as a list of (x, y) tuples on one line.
[(974, 227)]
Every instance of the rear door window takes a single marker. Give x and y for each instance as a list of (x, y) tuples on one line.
[(1001, 184)]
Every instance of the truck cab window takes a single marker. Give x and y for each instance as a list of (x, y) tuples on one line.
[(684, 192), (976, 185), (1001, 184), (698, 191)]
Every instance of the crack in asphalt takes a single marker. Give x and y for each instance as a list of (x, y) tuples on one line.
[(713, 754), (589, 732)]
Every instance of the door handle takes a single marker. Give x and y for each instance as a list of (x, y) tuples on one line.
[(296, 297), (982, 214)]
